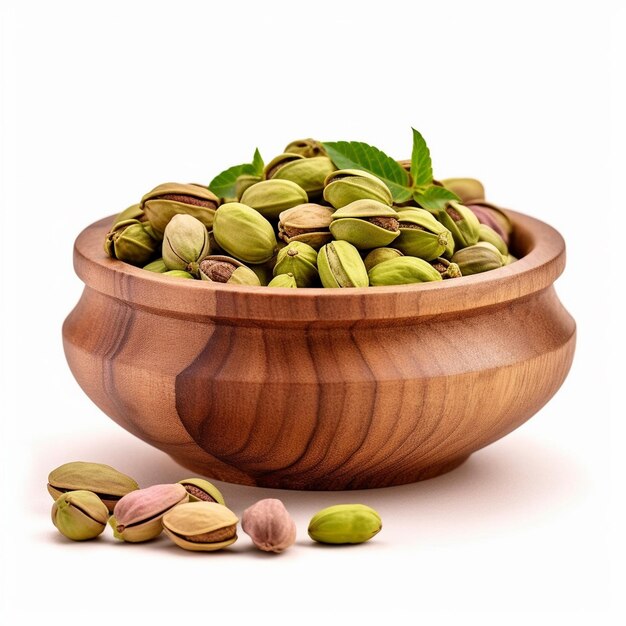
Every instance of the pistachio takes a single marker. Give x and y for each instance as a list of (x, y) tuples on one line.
[(279, 161), (488, 234), (345, 523), (378, 255), (225, 269), (308, 223), (345, 186), (309, 174), (492, 216), (138, 514), (283, 280), (306, 147), (201, 526), (185, 243), (446, 268), (169, 199), (133, 212), (510, 259), (467, 189), (340, 265), (178, 274), (129, 241), (79, 515), (103, 480), (300, 260), (244, 233), (421, 235), (269, 525), (265, 271), (365, 224), (244, 181), (461, 222), (200, 489), (270, 197), (478, 258), (402, 271), (157, 266)]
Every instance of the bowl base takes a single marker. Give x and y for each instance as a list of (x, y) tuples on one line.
[(323, 483)]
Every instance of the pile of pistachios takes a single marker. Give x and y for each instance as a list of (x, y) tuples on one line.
[(339, 214), (192, 513)]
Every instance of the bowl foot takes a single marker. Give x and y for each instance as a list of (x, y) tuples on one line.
[(322, 482)]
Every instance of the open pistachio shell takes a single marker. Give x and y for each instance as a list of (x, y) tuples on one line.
[(226, 269), (200, 489), (366, 224), (421, 235), (79, 515), (308, 223), (345, 186), (461, 222)]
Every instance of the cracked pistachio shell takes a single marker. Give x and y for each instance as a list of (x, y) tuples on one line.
[(306, 147), (421, 235), (103, 480), (300, 260), (200, 489), (345, 523), (269, 525), (225, 269), (271, 197), (178, 274), (138, 514), (283, 280), (309, 174), (278, 161), (244, 181), (365, 224), (169, 199), (308, 223), (481, 257), (244, 233), (489, 235), (185, 243), (378, 255), (402, 271), (461, 222), (129, 241), (466, 188), (201, 526), (345, 186), (158, 267), (446, 268), (340, 265), (79, 515)]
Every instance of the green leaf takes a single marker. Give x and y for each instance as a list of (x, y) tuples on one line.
[(257, 163), (421, 166), (434, 198), (361, 156), (223, 185)]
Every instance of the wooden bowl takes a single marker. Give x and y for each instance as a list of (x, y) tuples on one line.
[(321, 388)]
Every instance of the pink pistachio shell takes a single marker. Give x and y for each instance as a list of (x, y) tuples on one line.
[(486, 217), (142, 504)]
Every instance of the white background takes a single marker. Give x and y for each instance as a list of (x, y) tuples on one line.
[(104, 100)]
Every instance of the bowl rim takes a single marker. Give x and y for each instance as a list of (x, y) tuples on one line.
[(542, 263)]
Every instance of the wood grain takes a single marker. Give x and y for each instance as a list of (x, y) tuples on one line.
[(315, 388)]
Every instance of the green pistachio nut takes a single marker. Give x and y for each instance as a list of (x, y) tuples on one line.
[(488, 234), (283, 280), (164, 201), (185, 243), (244, 233), (244, 181), (79, 515), (461, 222), (138, 514), (345, 523), (365, 224), (158, 267), (270, 197), (279, 161), (200, 489), (178, 274), (421, 235), (345, 186), (340, 265), (133, 212), (378, 255), (225, 269), (510, 259), (300, 260), (309, 174), (446, 268), (478, 258), (402, 271), (103, 480), (308, 223), (306, 147), (129, 241), (467, 189), (201, 526)]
